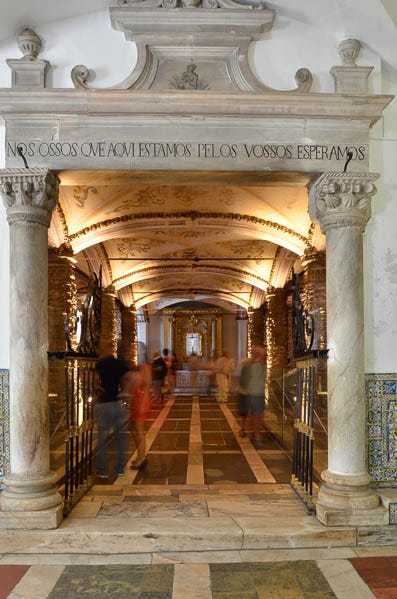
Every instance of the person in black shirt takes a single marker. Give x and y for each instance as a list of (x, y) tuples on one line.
[(159, 372), (109, 410)]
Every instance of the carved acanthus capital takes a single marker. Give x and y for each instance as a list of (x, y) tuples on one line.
[(339, 200), (29, 195)]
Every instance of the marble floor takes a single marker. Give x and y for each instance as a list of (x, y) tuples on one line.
[(210, 517)]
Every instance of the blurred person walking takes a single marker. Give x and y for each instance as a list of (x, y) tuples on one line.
[(109, 409), (252, 388)]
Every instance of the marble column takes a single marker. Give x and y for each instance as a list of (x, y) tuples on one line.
[(341, 204), (129, 349), (30, 498)]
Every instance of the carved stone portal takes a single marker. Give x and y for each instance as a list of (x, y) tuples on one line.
[(192, 45)]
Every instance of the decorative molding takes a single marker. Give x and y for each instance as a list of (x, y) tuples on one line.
[(169, 4), (338, 200), (182, 268), (188, 215), (216, 39), (29, 195), (62, 218)]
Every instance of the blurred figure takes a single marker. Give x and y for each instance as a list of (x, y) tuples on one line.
[(137, 383), (109, 409), (223, 370), (171, 367), (159, 372), (252, 386)]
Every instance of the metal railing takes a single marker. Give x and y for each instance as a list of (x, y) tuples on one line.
[(302, 478), (79, 425)]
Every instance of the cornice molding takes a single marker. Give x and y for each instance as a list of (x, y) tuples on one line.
[(154, 296), (61, 103)]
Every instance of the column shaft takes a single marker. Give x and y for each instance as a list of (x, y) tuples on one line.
[(341, 203), (30, 487), (29, 451), (346, 382)]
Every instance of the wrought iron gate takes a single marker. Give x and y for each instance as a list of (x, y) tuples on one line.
[(309, 363), (304, 429), (79, 425)]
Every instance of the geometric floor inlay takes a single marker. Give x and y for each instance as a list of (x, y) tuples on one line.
[(115, 581), (278, 580)]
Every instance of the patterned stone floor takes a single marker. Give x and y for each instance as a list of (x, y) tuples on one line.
[(292, 574), (201, 476)]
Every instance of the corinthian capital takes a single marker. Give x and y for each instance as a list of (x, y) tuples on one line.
[(29, 195), (342, 199)]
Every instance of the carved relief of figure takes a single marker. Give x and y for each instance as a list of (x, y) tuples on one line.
[(190, 77)]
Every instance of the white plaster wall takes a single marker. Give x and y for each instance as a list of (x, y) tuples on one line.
[(293, 43), (4, 292), (380, 244)]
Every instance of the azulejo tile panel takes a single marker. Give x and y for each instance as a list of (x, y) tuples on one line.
[(381, 398), (4, 424)]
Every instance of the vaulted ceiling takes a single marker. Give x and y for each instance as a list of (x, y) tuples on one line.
[(164, 237)]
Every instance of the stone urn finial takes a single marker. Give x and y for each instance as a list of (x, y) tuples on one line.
[(29, 43), (348, 51)]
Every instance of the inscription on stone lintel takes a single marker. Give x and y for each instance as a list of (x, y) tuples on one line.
[(107, 150)]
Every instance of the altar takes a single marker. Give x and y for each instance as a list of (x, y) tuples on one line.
[(195, 382)]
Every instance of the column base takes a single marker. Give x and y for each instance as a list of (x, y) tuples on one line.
[(38, 520), (347, 499), (35, 494)]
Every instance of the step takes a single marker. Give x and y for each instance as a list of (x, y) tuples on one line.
[(146, 535)]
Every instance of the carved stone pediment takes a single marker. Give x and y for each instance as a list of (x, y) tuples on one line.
[(192, 45)]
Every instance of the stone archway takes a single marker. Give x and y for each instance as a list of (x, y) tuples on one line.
[(230, 122)]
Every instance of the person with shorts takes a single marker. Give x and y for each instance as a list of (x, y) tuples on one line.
[(252, 393)]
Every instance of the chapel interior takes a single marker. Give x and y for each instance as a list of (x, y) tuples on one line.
[(198, 263)]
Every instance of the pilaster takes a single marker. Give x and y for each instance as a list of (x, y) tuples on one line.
[(129, 349), (256, 327), (341, 204), (29, 197), (108, 318), (62, 300), (314, 293)]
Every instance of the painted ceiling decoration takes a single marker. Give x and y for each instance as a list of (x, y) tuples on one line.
[(158, 244)]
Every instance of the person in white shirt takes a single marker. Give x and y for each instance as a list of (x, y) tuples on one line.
[(223, 369)]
